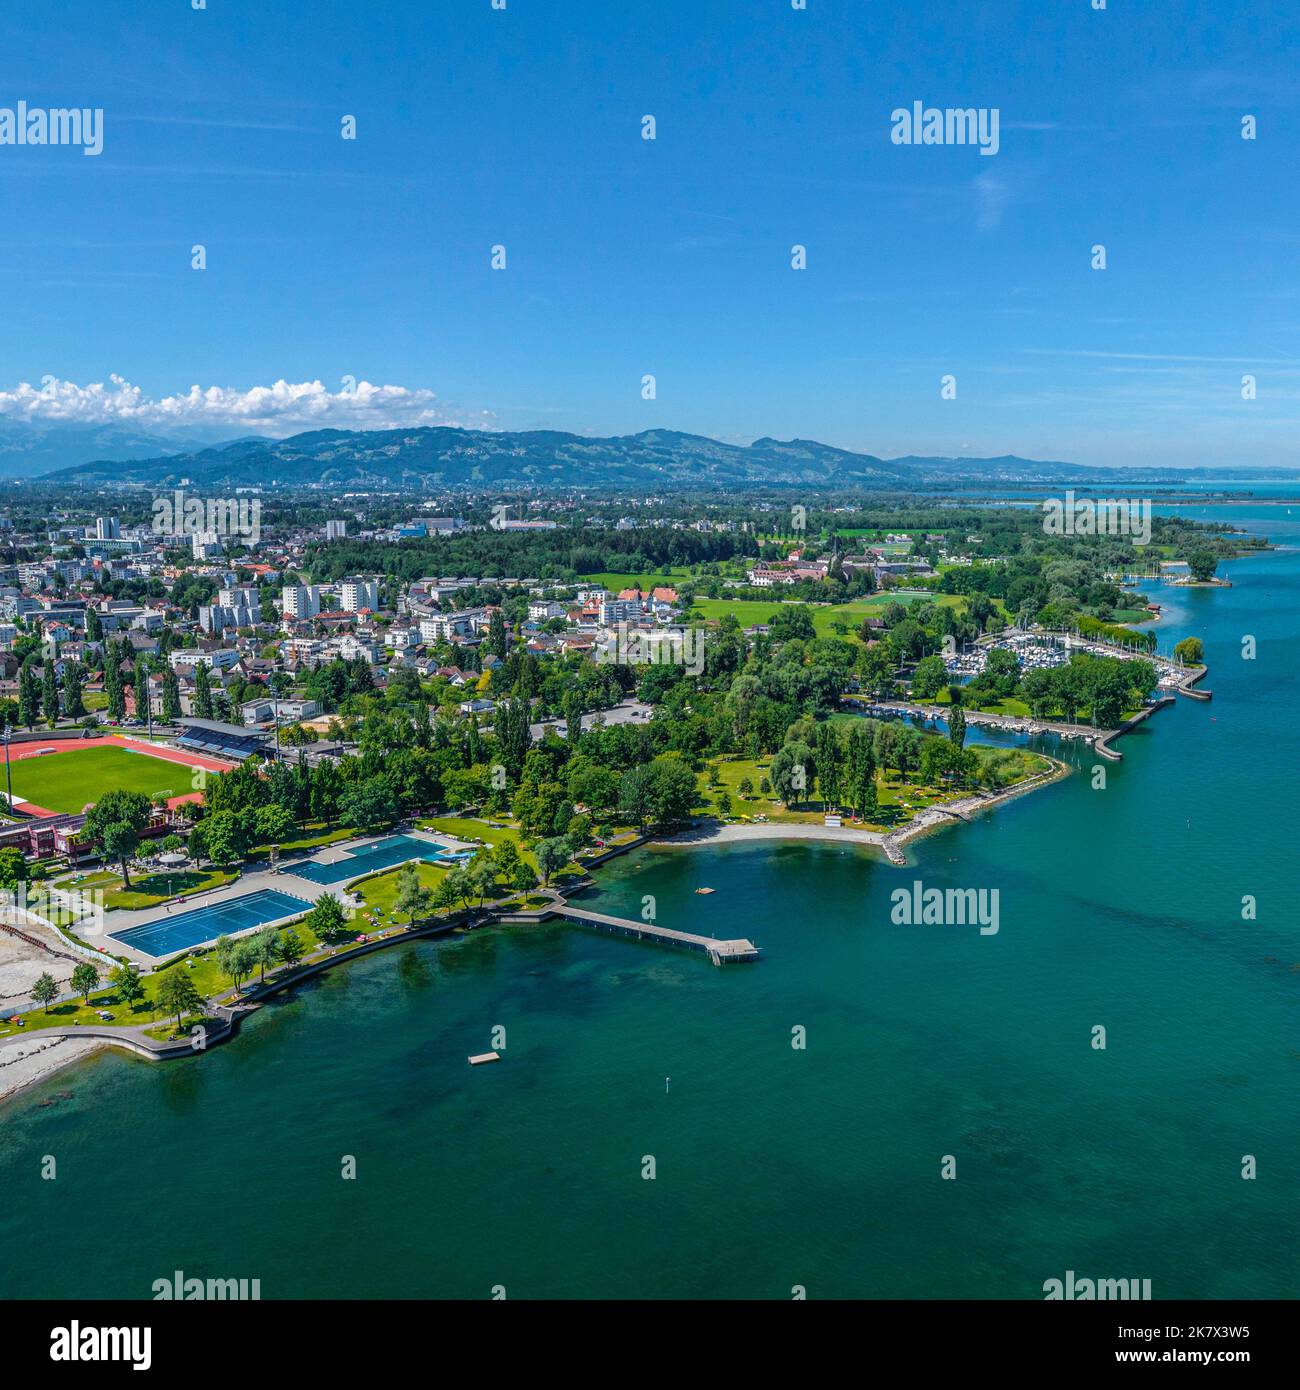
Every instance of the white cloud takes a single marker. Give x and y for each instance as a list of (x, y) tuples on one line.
[(284, 408)]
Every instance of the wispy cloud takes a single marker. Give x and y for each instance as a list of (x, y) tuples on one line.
[(992, 197)]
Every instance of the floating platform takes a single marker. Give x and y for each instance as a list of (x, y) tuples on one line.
[(479, 1058)]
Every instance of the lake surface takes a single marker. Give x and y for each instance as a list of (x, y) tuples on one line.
[(774, 1167)]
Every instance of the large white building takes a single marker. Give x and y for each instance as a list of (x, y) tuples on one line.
[(217, 658), (300, 600), (356, 594)]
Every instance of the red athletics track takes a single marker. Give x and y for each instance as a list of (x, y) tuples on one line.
[(153, 750)]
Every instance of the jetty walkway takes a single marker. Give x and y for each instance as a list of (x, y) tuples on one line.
[(719, 952)]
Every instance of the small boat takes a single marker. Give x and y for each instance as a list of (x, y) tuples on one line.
[(482, 1057), (704, 890)]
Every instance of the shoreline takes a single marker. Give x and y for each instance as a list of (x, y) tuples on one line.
[(36, 1065), (889, 842)]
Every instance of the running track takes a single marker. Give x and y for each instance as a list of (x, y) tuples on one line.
[(153, 750)]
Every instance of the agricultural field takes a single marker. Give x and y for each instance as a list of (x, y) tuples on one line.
[(68, 782), (615, 582)]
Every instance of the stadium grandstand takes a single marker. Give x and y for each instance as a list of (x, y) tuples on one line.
[(220, 740)]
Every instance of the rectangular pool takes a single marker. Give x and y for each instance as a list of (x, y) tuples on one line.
[(182, 930), (368, 859)]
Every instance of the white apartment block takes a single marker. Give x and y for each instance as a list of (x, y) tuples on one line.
[(218, 659), (300, 600), (619, 610), (356, 594)]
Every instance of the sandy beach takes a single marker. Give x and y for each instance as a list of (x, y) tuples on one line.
[(25, 1061)]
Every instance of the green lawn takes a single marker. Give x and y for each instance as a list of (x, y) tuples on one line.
[(70, 781), (150, 889), (666, 579), (749, 612)]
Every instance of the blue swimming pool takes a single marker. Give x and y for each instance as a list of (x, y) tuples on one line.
[(369, 859), (185, 929)]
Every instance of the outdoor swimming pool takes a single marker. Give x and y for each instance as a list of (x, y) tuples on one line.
[(369, 859), (184, 929)]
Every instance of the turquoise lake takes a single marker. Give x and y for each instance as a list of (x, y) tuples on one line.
[(774, 1167)]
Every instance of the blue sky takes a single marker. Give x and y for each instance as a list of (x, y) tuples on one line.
[(370, 258)]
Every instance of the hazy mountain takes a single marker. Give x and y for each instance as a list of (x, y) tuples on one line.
[(31, 448)]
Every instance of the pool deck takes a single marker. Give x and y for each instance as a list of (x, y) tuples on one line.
[(281, 880)]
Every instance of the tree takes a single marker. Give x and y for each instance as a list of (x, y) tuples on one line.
[(223, 837), (84, 979), (29, 696), (264, 949), (928, 678), (13, 868), (274, 824), (1190, 651), (957, 727), (74, 706), (792, 770), (552, 855), (369, 805), (327, 918), (113, 686), (522, 877), (1202, 564), (202, 692), (49, 693), (45, 990), (445, 896), (177, 995), (289, 947), (126, 982), (171, 695), (412, 897), (94, 628), (116, 820), (483, 875), (459, 884), (141, 690), (723, 802), (496, 634)]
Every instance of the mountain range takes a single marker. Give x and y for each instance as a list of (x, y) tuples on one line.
[(441, 458)]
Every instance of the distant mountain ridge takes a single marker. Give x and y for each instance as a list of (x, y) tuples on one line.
[(32, 448), (444, 457)]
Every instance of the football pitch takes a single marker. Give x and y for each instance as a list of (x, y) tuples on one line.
[(68, 782)]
